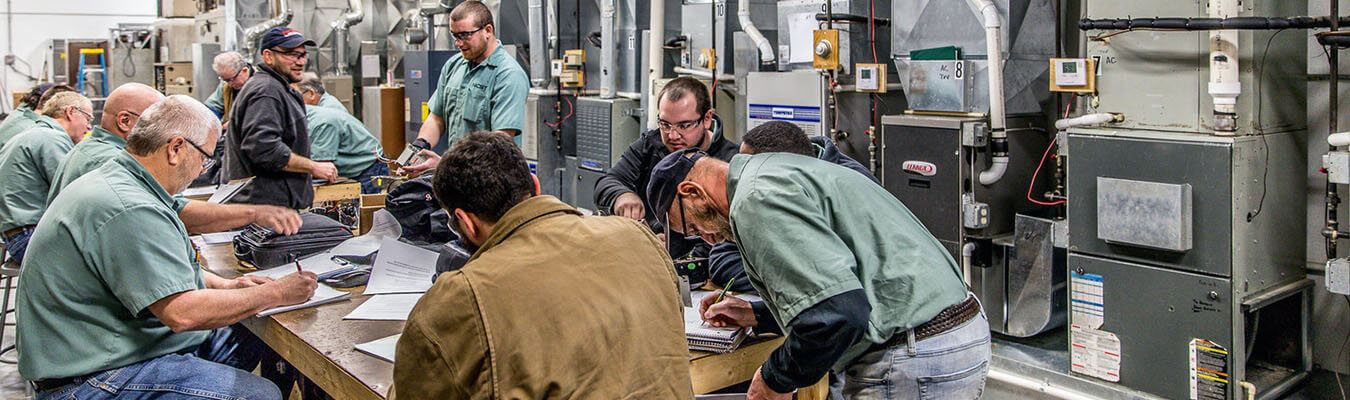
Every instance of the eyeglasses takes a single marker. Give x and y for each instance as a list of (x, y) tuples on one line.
[(680, 126), (467, 34), (236, 75), (207, 161), (298, 55), (86, 114)]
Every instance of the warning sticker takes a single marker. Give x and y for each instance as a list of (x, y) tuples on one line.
[(1209, 370), (1086, 301), (1094, 353)]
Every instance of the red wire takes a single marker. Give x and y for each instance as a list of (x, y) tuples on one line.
[(872, 27), (570, 110), (1043, 156)]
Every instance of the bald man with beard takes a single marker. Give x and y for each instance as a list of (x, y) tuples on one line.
[(121, 111)]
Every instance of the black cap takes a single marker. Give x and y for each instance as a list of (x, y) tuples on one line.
[(666, 178), (283, 37)]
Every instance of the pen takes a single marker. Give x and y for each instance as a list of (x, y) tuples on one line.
[(297, 266), (724, 293)]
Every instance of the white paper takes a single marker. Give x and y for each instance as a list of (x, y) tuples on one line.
[(401, 268), (322, 295), (801, 31), (199, 191), (383, 225), (383, 349), (386, 307), (219, 237), (1086, 300), (1094, 353), (318, 264), (227, 191), (698, 295)]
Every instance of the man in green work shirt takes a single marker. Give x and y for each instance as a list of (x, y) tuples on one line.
[(848, 274), (336, 136), (121, 111), (481, 88), (26, 116), (117, 306), (30, 163), (233, 71)]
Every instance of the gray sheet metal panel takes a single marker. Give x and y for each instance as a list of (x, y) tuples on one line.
[(1202, 163), (1146, 214), (1269, 250), (1155, 313)]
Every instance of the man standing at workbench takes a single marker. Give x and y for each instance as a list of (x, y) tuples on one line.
[(849, 275), (481, 88)]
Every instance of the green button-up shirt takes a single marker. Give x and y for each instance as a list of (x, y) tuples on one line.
[(810, 230), (88, 155), (216, 102), (17, 122), (327, 100), (110, 246), (473, 97), (339, 137), (29, 167)]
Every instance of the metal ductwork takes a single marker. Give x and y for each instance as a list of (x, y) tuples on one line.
[(253, 33), (609, 60), (538, 50), (342, 27)]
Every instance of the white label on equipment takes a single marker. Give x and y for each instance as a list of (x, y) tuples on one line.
[(1086, 300), (1209, 370), (1094, 353)]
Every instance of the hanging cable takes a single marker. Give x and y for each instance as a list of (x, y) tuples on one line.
[(1031, 186)]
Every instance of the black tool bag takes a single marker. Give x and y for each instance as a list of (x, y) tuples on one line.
[(414, 205), (263, 248)]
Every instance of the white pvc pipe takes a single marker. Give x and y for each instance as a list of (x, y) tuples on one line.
[(703, 73), (967, 252), (1339, 139), (765, 49), (1086, 120), (997, 114), (655, 56), (1224, 85)]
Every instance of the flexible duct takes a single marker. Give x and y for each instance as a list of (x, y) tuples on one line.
[(609, 48), (1087, 120), (341, 27), (428, 12), (998, 143), (253, 33), (655, 57), (538, 51), (1224, 86), (766, 56)]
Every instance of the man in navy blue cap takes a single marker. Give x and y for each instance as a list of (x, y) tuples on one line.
[(849, 276), (267, 138)]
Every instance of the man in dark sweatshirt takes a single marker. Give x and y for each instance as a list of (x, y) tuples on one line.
[(686, 120)]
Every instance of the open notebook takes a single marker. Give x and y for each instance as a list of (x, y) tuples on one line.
[(322, 295), (703, 337)]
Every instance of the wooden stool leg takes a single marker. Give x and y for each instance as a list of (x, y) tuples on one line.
[(818, 391)]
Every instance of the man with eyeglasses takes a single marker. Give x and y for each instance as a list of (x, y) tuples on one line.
[(481, 88), (686, 121), (29, 163), (233, 70), (121, 112), (27, 115), (117, 307), (267, 137)]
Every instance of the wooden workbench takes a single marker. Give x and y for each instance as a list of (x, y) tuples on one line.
[(344, 189), (320, 344)]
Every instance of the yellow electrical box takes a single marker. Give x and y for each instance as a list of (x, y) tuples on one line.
[(708, 59), (825, 49), (1078, 75), (573, 68)]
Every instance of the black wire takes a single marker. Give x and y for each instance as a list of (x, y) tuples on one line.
[(131, 70), (1260, 102)]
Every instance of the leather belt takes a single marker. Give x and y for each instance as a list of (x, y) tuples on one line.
[(949, 318), (14, 231), (55, 383)]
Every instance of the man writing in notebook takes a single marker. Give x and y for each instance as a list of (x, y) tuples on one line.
[(602, 285), (848, 274), (114, 303)]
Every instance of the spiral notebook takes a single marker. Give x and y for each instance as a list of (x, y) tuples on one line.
[(704, 337)]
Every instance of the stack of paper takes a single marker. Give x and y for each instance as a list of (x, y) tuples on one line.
[(401, 268), (704, 337), (383, 348), (322, 295), (386, 307)]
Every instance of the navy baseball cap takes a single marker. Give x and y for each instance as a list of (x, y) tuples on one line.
[(283, 37), (666, 178)]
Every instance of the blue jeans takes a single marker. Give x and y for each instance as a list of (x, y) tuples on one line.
[(376, 169), (17, 245), (950, 365), (218, 369)]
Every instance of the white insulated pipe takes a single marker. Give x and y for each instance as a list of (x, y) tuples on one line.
[(1339, 139), (997, 114), (609, 48), (655, 57), (538, 50), (341, 27), (1087, 120), (1224, 86), (765, 49)]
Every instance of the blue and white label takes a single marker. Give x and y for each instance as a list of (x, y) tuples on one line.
[(1086, 301), (785, 113)]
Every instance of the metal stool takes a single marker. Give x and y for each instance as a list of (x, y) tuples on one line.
[(8, 273)]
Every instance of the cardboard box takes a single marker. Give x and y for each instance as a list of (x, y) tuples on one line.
[(370, 203)]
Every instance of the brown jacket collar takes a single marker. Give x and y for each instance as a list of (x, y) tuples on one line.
[(517, 217)]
